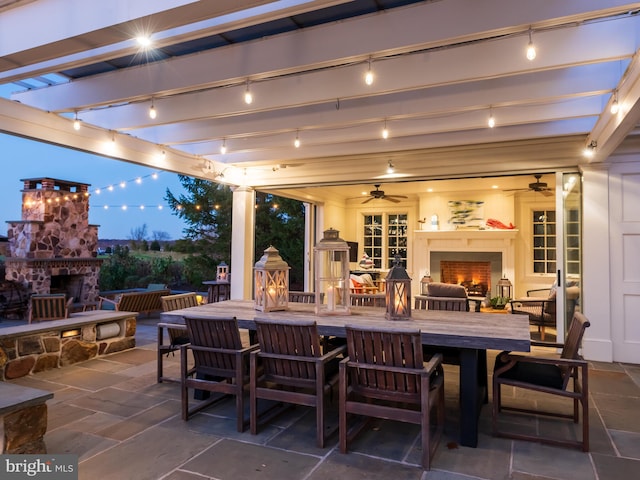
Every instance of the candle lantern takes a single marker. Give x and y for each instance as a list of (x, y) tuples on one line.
[(332, 275), (398, 292), (271, 275), (222, 272), (424, 284), (504, 287)]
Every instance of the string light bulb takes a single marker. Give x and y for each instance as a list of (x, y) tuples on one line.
[(531, 49), (492, 121), (390, 168), (385, 131), (368, 78), (615, 107), (248, 97), (296, 142), (76, 122), (223, 147), (153, 113)]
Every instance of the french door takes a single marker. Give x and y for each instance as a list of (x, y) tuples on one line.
[(568, 248)]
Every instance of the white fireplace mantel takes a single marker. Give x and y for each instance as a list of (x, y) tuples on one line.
[(463, 240)]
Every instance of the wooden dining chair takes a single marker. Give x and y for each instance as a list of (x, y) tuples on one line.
[(302, 297), (176, 333), (294, 369), (384, 377), (45, 307), (220, 364), (565, 376)]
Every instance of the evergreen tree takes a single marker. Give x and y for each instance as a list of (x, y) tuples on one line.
[(206, 208)]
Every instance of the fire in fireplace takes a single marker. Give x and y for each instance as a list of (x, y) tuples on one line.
[(475, 276)]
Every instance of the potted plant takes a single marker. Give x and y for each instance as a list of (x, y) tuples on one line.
[(498, 303)]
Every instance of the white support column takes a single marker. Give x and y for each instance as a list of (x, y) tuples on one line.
[(308, 246), (243, 223)]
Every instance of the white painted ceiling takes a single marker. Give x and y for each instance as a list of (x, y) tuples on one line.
[(441, 69)]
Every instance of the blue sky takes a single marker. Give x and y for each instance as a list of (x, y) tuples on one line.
[(22, 158)]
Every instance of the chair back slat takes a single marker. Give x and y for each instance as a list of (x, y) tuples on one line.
[(48, 307), (218, 333), (299, 339), (449, 304), (397, 348), (302, 297), (178, 301)]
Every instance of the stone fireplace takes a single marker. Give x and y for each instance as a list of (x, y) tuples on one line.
[(53, 249)]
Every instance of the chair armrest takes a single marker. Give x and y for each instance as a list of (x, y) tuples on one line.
[(333, 353), (385, 368), (177, 326), (434, 363), (568, 362), (108, 300), (536, 343)]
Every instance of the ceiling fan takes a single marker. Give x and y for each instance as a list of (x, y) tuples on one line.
[(536, 186), (379, 194)]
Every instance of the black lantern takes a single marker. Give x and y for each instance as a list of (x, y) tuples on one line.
[(424, 284), (504, 287), (398, 292)]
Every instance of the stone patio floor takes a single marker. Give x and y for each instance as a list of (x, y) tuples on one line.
[(123, 425)]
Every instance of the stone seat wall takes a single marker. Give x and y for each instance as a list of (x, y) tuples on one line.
[(33, 348)]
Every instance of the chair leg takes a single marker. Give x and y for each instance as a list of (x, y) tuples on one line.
[(425, 432), (239, 396), (253, 401), (183, 384), (320, 412), (342, 398)]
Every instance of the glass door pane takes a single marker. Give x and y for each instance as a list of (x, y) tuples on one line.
[(569, 239)]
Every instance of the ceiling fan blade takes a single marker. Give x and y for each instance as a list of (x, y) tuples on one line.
[(390, 199), (547, 193), (368, 200)]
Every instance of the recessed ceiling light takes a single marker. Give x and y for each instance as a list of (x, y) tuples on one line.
[(429, 190), (494, 186)]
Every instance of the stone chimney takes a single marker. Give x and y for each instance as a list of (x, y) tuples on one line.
[(53, 249)]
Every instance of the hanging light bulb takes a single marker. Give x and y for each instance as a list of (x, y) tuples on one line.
[(385, 131), (390, 168), (76, 122), (368, 78), (531, 49), (248, 98), (492, 121), (296, 142), (615, 107), (223, 147), (153, 113)]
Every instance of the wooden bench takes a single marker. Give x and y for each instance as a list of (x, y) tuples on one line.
[(44, 307), (142, 302)]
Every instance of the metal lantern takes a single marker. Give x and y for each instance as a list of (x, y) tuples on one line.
[(424, 284), (332, 275), (398, 292), (222, 272), (504, 287), (271, 282)]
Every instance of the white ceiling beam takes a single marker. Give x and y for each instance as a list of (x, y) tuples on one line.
[(538, 88), (611, 130), (401, 29), (222, 15), (50, 21)]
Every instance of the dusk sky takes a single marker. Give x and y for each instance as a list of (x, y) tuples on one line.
[(22, 158)]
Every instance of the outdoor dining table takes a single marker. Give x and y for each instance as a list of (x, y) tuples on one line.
[(471, 333)]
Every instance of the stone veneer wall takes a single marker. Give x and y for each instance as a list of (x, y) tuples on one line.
[(54, 228), (38, 347), (38, 273)]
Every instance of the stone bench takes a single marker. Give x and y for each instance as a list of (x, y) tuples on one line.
[(23, 413), (33, 348)]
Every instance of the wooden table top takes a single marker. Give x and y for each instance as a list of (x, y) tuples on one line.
[(440, 328)]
